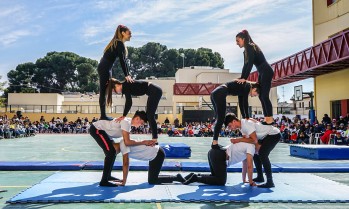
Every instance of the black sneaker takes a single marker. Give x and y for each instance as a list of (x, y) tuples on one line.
[(106, 118), (258, 179), (266, 185), (107, 184)]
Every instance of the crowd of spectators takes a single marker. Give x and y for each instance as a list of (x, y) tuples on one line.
[(19, 126), (16, 127), (295, 130), (326, 131)]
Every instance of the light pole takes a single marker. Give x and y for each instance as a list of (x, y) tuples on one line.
[(182, 55)]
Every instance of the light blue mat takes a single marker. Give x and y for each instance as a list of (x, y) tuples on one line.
[(83, 187)]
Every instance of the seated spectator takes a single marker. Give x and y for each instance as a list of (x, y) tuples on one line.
[(303, 138), (293, 138), (65, 128), (339, 139), (325, 138), (342, 127)]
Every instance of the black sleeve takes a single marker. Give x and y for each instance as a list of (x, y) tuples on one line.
[(249, 64), (128, 103), (122, 58)]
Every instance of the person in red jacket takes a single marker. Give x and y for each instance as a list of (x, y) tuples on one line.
[(326, 137)]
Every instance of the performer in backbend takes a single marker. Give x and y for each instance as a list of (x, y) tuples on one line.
[(218, 99), (138, 88)]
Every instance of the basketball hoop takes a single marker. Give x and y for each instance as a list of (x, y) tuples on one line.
[(298, 93)]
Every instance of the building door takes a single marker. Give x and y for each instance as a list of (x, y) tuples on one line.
[(336, 108)]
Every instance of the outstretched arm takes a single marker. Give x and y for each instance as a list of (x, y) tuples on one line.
[(248, 63), (249, 162), (122, 58), (125, 169), (131, 142)]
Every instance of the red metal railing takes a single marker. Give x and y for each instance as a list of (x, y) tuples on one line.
[(328, 56), (194, 88)]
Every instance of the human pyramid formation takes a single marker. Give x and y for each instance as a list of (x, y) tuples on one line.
[(258, 139)]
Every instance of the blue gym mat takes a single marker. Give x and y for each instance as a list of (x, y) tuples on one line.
[(65, 187), (134, 165), (41, 165), (176, 150), (320, 152), (167, 166), (204, 167), (313, 167)]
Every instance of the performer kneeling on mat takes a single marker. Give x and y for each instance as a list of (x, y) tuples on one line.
[(154, 154), (218, 99), (103, 130), (265, 137), (218, 160)]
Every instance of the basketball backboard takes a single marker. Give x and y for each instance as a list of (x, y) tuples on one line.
[(298, 93)]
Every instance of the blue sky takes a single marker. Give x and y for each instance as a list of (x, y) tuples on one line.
[(30, 29)]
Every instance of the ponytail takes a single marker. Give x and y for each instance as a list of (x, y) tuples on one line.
[(117, 37), (110, 86), (247, 41)]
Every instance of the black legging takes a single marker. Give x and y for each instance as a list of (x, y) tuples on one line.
[(154, 96), (218, 99), (218, 168), (154, 170), (104, 72), (106, 144), (268, 144), (265, 77)]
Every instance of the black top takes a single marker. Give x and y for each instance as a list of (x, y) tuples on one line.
[(118, 51), (137, 88), (253, 58), (236, 89)]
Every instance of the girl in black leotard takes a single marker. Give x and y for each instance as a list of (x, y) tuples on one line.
[(254, 56), (218, 99), (115, 48), (138, 88)]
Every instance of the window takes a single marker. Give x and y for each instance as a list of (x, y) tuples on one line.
[(330, 2)]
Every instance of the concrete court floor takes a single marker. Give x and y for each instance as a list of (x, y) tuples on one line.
[(72, 147)]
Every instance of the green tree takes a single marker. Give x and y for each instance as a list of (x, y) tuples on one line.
[(55, 73), (2, 99), (20, 79)]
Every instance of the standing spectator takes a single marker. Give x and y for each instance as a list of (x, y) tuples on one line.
[(42, 119), (78, 120), (326, 119), (166, 121), (65, 119), (176, 122), (346, 119)]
